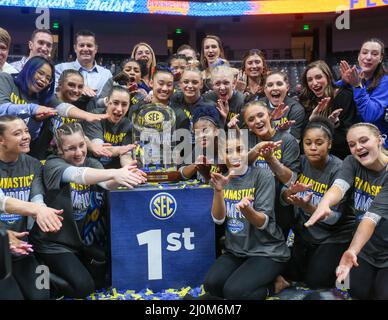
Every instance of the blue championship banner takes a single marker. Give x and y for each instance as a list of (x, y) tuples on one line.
[(161, 239)]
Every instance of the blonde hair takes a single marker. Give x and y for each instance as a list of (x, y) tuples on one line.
[(5, 37), (67, 129), (153, 63), (228, 71), (373, 129)]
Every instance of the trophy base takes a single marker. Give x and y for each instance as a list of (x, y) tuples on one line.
[(168, 176)]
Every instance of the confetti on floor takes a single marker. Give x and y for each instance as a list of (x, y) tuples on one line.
[(293, 293)]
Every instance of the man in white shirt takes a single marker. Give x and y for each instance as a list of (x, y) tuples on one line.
[(5, 43), (95, 76), (41, 44)]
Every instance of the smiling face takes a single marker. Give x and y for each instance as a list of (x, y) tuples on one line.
[(15, 138), (316, 145), (369, 57), (74, 148), (162, 86), (191, 84), (365, 146), (223, 84), (42, 79), (211, 51), (41, 45), (144, 53), (117, 106), (132, 69), (258, 120), (254, 66), (276, 88), (85, 49), (317, 81), (70, 90), (236, 156)]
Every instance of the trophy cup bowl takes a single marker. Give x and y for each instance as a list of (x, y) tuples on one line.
[(153, 126)]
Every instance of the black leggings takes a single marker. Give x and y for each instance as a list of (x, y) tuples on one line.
[(69, 267), (315, 265), (22, 282), (368, 282), (231, 277)]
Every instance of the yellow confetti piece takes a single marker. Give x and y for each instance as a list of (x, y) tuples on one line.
[(155, 298), (148, 292), (136, 296), (114, 291), (184, 291), (171, 291)]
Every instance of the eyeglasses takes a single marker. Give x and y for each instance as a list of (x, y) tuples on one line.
[(44, 76)]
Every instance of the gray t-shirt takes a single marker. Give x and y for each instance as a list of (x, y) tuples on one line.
[(321, 232), (21, 180), (73, 198), (287, 153), (369, 186), (242, 238)]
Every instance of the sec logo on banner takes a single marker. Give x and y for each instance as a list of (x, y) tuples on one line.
[(163, 206)]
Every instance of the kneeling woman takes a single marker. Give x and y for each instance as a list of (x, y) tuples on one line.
[(255, 248), (365, 171), (69, 179), (21, 196), (317, 251)]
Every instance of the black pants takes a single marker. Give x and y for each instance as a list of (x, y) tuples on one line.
[(315, 265), (368, 282), (22, 282), (82, 273), (231, 277)]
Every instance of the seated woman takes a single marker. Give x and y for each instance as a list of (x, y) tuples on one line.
[(115, 130), (276, 87), (365, 173), (69, 179), (21, 196), (276, 151), (316, 251), (256, 252), (320, 96), (30, 96)]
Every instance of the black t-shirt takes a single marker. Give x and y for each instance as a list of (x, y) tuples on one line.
[(117, 134), (323, 233), (236, 102), (21, 180), (184, 111), (368, 186), (73, 198), (349, 116)]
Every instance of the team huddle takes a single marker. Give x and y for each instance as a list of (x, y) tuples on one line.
[(313, 164)]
